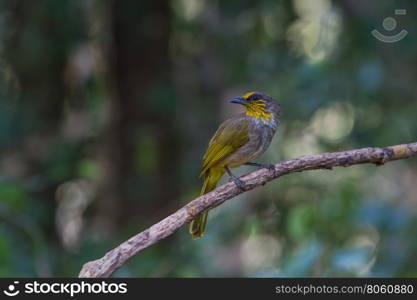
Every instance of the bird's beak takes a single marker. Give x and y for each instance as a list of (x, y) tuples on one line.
[(238, 100)]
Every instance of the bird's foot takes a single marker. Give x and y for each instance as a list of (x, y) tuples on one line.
[(270, 167), (239, 183)]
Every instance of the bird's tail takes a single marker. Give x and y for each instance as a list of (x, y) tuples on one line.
[(198, 225)]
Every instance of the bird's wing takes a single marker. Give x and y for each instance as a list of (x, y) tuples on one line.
[(231, 135)]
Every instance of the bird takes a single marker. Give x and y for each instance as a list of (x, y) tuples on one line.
[(238, 141)]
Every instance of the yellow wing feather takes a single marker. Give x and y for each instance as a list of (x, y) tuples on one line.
[(230, 136)]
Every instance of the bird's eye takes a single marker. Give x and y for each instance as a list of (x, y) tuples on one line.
[(255, 97)]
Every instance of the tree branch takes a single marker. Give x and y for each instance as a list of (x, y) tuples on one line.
[(105, 266)]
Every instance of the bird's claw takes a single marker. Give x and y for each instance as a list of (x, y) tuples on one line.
[(270, 167), (239, 183)]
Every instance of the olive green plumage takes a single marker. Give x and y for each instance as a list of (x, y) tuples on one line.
[(236, 142)]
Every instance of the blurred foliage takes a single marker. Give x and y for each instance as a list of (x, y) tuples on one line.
[(106, 108)]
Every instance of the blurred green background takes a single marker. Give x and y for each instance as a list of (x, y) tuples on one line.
[(106, 108)]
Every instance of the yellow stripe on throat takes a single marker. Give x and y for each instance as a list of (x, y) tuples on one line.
[(257, 110)]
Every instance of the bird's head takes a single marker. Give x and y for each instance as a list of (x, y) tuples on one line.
[(259, 105)]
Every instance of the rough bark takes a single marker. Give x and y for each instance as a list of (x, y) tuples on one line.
[(105, 266)]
